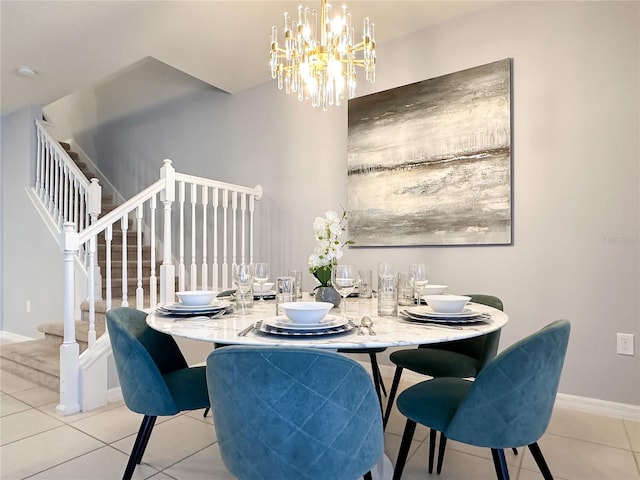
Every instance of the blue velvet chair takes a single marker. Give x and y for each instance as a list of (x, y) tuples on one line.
[(508, 405), (290, 413), (154, 376), (462, 358)]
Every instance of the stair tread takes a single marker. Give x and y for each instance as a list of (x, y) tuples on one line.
[(37, 354)]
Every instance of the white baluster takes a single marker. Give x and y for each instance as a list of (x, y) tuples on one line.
[(139, 289), (234, 221), (193, 281), (205, 204), (38, 160), (92, 291), (124, 226), (153, 280), (225, 265), (181, 267), (243, 212), (252, 203), (108, 238), (216, 276)]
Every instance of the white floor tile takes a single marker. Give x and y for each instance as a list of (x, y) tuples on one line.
[(633, 430), (579, 460), (37, 453), (10, 383), (172, 441), (25, 424), (38, 396), (50, 409), (206, 463), (10, 405), (588, 427), (105, 463), (112, 425)]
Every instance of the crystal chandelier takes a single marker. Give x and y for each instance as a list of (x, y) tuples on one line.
[(321, 69)]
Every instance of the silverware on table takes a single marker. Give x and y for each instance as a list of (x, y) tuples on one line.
[(368, 324), (245, 331)]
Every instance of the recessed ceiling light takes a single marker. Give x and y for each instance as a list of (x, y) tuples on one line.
[(25, 71)]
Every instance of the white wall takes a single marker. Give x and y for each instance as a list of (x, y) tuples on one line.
[(576, 171)]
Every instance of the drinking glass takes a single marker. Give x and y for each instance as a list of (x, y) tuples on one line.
[(343, 279), (261, 275), (243, 278), (405, 289), (365, 284), (418, 277)]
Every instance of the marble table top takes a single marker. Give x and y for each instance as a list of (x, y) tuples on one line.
[(390, 331)]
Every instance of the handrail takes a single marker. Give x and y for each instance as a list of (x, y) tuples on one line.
[(231, 232)]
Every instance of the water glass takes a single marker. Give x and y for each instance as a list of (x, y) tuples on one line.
[(297, 275), (405, 289), (285, 292), (244, 299), (387, 295), (261, 275), (365, 283)]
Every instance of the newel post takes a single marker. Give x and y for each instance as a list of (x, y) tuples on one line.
[(167, 269), (69, 350)]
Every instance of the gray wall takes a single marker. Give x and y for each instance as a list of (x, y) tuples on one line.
[(576, 171), (32, 263)]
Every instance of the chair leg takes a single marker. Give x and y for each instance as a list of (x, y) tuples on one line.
[(206, 410), (367, 476), (515, 450), (432, 447), (392, 396), (376, 382), (139, 445), (443, 445), (407, 436), (539, 458), (500, 463), (376, 372)]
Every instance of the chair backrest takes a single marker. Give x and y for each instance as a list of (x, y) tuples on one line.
[(511, 400), (293, 413), (483, 348), (142, 356)]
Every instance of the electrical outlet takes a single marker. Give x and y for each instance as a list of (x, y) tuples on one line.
[(625, 344)]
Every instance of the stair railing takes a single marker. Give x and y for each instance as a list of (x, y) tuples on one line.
[(64, 190), (215, 218)]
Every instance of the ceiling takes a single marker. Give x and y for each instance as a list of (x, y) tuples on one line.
[(73, 45)]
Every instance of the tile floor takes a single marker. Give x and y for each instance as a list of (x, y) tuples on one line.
[(38, 444)]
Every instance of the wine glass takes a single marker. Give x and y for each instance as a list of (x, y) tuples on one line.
[(418, 278), (261, 275), (343, 279), (243, 278)]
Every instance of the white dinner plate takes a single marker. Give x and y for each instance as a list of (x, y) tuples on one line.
[(281, 321), (266, 328), (181, 308), (431, 313)]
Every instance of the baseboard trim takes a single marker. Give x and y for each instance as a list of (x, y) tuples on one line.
[(596, 406), (14, 337)]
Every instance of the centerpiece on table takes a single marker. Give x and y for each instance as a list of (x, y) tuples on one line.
[(328, 231)]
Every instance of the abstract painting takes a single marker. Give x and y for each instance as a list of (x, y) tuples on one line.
[(430, 163)]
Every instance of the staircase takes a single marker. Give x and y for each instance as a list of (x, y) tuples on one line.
[(39, 360)]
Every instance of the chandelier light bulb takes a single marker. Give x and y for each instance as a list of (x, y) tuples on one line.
[(321, 69)]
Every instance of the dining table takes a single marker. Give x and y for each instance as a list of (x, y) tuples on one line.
[(259, 326)]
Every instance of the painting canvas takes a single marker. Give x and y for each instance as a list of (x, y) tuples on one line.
[(430, 163)]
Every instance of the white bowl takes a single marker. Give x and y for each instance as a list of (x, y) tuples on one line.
[(447, 303), (196, 298), (306, 313), (430, 289), (266, 287)]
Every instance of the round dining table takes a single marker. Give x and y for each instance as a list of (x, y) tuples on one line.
[(394, 331)]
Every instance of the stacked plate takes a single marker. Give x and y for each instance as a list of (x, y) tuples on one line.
[(179, 309), (428, 315), (281, 325)]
